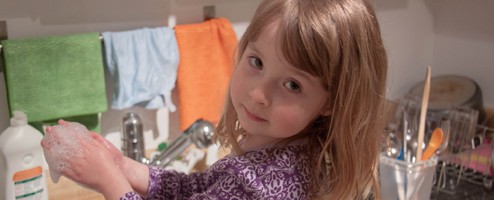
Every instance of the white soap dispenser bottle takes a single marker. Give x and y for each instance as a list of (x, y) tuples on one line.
[(21, 161)]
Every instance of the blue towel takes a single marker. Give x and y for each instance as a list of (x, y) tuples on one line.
[(143, 64)]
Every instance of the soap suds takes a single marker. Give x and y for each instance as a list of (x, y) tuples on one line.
[(64, 142)]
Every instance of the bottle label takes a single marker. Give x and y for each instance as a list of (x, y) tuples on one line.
[(28, 184)]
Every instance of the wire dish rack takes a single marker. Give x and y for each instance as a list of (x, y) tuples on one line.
[(465, 166), (471, 164)]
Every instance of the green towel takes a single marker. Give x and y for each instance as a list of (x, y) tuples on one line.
[(55, 77)]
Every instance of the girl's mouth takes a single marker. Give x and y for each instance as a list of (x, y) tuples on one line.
[(253, 116)]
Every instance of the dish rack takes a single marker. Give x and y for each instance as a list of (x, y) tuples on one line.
[(472, 163), (467, 161)]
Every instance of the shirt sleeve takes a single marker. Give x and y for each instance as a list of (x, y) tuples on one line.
[(166, 184), (282, 174), (169, 184), (229, 187), (131, 196)]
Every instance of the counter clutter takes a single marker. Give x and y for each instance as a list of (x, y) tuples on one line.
[(474, 159), (67, 189)]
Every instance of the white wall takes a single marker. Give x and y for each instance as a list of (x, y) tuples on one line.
[(464, 41), (407, 31), (453, 36)]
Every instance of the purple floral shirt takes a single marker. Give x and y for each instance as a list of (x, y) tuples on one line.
[(280, 173)]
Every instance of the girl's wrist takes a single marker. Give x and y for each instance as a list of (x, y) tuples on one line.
[(137, 174), (114, 191)]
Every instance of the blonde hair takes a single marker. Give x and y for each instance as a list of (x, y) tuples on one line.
[(340, 42)]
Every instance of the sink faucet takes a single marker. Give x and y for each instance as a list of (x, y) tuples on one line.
[(199, 133), (133, 140)]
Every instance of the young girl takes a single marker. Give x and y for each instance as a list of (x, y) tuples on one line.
[(303, 116)]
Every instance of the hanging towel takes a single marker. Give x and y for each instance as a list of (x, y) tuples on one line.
[(143, 64), (206, 64), (55, 77)]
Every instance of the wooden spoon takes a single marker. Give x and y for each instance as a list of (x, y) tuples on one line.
[(434, 143), (423, 111)]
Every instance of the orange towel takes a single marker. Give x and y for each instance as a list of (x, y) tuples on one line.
[(205, 69)]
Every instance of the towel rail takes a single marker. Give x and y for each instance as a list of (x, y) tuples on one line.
[(1, 67), (100, 38)]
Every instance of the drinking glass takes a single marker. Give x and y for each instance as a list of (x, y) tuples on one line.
[(463, 126), (445, 125)]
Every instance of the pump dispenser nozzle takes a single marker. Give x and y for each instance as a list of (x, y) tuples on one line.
[(18, 119)]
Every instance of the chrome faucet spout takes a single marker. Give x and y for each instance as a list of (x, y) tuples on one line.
[(199, 133)]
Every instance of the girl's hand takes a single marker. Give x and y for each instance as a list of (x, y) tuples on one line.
[(117, 155), (94, 165), (137, 174)]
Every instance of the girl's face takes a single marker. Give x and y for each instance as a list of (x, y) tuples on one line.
[(273, 99)]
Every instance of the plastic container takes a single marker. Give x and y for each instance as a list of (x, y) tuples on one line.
[(402, 180), (21, 161)]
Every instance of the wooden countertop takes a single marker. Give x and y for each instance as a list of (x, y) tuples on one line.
[(67, 189)]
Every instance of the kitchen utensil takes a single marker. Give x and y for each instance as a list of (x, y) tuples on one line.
[(434, 143), (448, 91), (392, 144), (407, 119), (423, 111)]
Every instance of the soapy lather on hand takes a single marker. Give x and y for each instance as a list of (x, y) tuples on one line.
[(63, 141), (67, 141)]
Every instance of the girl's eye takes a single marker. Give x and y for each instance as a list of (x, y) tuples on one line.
[(256, 62), (293, 86)]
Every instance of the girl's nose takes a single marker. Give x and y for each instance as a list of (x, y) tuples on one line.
[(260, 94)]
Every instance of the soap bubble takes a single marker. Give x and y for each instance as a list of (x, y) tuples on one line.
[(65, 142)]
